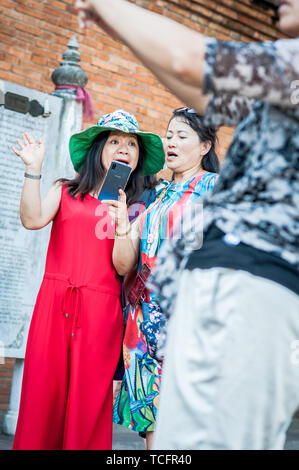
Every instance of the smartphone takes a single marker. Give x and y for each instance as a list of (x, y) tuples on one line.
[(117, 177)]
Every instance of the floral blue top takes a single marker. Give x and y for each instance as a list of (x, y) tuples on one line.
[(137, 402)]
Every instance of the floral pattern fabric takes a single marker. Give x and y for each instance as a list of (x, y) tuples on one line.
[(256, 197), (137, 402)]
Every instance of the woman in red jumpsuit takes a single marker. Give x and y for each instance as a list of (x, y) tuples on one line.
[(75, 336)]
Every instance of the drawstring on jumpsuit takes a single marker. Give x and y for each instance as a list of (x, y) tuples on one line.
[(72, 303)]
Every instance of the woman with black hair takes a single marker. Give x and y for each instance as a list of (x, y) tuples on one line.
[(190, 154), (75, 337)]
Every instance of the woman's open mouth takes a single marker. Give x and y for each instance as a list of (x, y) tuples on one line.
[(171, 156), (121, 159), (284, 5)]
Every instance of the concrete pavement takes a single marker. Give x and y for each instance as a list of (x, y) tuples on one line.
[(123, 439)]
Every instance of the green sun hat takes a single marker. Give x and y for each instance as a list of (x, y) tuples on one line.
[(125, 122)]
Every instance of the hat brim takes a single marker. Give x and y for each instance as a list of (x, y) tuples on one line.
[(154, 154)]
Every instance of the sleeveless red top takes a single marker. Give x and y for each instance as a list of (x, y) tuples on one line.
[(81, 244)]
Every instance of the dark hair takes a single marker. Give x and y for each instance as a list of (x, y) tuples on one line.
[(210, 161), (150, 181), (92, 172)]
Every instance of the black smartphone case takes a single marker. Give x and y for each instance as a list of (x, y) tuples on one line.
[(117, 177)]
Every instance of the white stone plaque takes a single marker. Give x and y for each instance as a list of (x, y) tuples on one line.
[(22, 252)]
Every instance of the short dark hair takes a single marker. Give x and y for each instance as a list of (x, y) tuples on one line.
[(210, 161), (92, 173)]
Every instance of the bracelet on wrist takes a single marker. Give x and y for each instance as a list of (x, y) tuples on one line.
[(117, 234), (33, 177)]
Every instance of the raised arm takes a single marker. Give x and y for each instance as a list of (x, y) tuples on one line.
[(191, 65), (162, 44), (34, 212)]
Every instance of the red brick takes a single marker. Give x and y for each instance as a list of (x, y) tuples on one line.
[(30, 12), (143, 78), (126, 64), (45, 53), (28, 29), (28, 73), (39, 59), (4, 406), (4, 65), (8, 4), (9, 13), (18, 53)]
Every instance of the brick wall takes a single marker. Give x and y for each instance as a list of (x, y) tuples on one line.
[(34, 34), (6, 370)]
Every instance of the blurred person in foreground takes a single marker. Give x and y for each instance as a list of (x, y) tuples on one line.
[(230, 377)]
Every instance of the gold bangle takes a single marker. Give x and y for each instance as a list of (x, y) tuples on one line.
[(123, 234)]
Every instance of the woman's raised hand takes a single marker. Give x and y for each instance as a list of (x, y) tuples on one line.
[(119, 212), (31, 152), (88, 13)]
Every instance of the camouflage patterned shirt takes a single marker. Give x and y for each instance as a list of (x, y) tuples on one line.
[(256, 197)]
